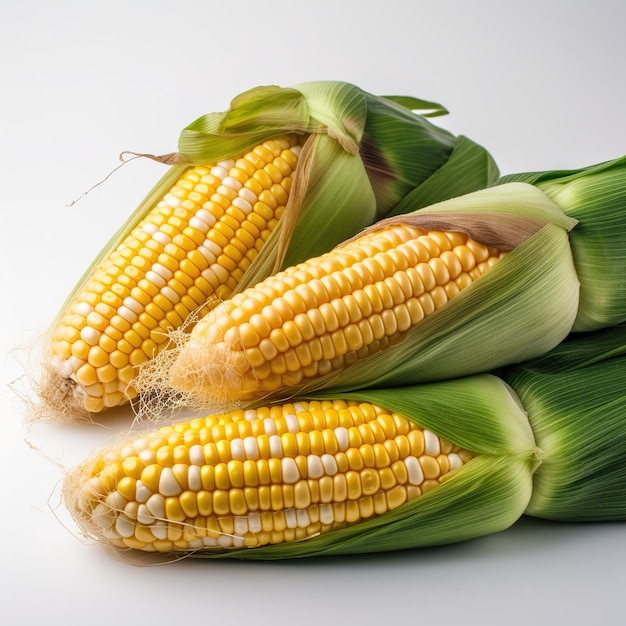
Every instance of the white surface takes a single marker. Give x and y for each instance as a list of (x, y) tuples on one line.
[(540, 83)]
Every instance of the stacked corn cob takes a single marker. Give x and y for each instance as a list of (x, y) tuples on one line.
[(282, 175), (374, 469), (341, 409)]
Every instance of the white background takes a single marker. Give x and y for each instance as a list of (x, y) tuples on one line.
[(540, 83)]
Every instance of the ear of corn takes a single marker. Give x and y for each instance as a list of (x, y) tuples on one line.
[(329, 476), (373, 312), (189, 244), (355, 472), (344, 168), (596, 197), (576, 405)]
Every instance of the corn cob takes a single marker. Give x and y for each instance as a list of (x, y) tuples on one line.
[(372, 470), (381, 308), (192, 248), (317, 317), (259, 477), (295, 171)]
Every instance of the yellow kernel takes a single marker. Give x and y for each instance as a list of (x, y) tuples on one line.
[(430, 467)]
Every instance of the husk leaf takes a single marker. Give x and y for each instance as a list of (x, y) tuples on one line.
[(576, 405), (596, 197)]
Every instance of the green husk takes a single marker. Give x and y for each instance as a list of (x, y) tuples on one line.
[(596, 197), (576, 403), (485, 496)]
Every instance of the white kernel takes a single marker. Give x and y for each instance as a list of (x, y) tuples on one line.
[(196, 544), (102, 516), (196, 454), (269, 426), (242, 204), (212, 247), (149, 227), (276, 446), (127, 314), (207, 217), (254, 523), (251, 447), (144, 516), (161, 237), (155, 279), (238, 542), (147, 456), (414, 470), (168, 485), (142, 493), (330, 464), (241, 524), (293, 425), (250, 415), (171, 200), (219, 172), (431, 443), (225, 541), (162, 271), (82, 308), (343, 441), (116, 501), (227, 164), (170, 294), (454, 460), (326, 513), (133, 305), (314, 466), (194, 478), (159, 529), (296, 149), (198, 224), (303, 518), (291, 519), (232, 183), (291, 475), (128, 450), (90, 335), (237, 450), (124, 527), (156, 505), (220, 271), (248, 194), (209, 542), (207, 254)]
